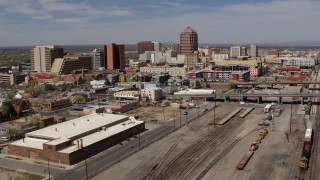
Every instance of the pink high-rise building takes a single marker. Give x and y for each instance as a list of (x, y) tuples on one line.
[(188, 41)]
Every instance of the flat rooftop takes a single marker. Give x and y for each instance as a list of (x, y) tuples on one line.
[(76, 127), (87, 140)]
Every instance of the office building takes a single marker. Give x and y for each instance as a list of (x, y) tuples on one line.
[(42, 57), (235, 51), (97, 58), (71, 62), (254, 51), (188, 41), (144, 46), (243, 51), (114, 57)]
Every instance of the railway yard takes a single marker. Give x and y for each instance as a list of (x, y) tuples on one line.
[(201, 150)]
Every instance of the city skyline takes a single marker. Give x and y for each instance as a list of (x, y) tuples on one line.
[(94, 22)]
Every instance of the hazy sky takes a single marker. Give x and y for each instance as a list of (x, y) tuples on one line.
[(42, 22)]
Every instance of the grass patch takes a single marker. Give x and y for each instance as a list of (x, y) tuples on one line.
[(17, 175), (15, 158)]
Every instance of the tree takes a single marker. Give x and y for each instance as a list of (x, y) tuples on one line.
[(8, 110), (78, 99), (11, 94), (107, 82), (35, 120), (35, 91)]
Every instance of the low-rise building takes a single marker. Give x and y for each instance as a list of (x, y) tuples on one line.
[(172, 71), (49, 104), (153, 94), (73, 141), (126, 95), (79, 98), (123, 106), (288, 70), (299, 61), (255, 67)]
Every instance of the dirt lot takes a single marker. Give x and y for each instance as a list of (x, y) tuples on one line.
[(6, 174), (154, 113)]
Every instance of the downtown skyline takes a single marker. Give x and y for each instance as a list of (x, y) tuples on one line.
[(33, 22)]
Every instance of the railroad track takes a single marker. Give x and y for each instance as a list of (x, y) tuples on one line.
[(314, 152), (185, 162), (154, 169)]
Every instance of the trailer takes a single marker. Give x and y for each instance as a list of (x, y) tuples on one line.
[(267, 108), (245, 160)]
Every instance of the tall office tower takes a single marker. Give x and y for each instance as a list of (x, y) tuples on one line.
[(254, 51), (97, 58), (235, 51), (42, 57), (243, 51), (188, 41), (114, 56)]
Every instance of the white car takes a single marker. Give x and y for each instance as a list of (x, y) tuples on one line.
[(4, 138)]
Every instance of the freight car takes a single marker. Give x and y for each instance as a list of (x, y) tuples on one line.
[(305, 155)]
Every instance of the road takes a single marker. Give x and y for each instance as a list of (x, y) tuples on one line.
[(111, 156)]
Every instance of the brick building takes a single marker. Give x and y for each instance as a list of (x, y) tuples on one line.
[(73, 141)]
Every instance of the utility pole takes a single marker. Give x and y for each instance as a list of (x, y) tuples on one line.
[(290, 118), (164, 117), (49, 167), (180, 117), (86, 169), (174, 121), (214, 109)]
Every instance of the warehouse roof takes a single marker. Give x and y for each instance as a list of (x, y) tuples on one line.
[(113, 123), (76, 127)]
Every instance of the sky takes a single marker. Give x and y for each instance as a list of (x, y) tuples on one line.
[(80, 22)]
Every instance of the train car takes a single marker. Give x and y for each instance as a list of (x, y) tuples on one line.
[(305, 155)]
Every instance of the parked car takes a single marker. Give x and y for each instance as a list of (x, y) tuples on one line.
[(185, 113), (205, 110), (4, 138)]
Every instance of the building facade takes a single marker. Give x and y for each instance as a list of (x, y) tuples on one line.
[(114, 56), (188, 41), (42, 57)]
